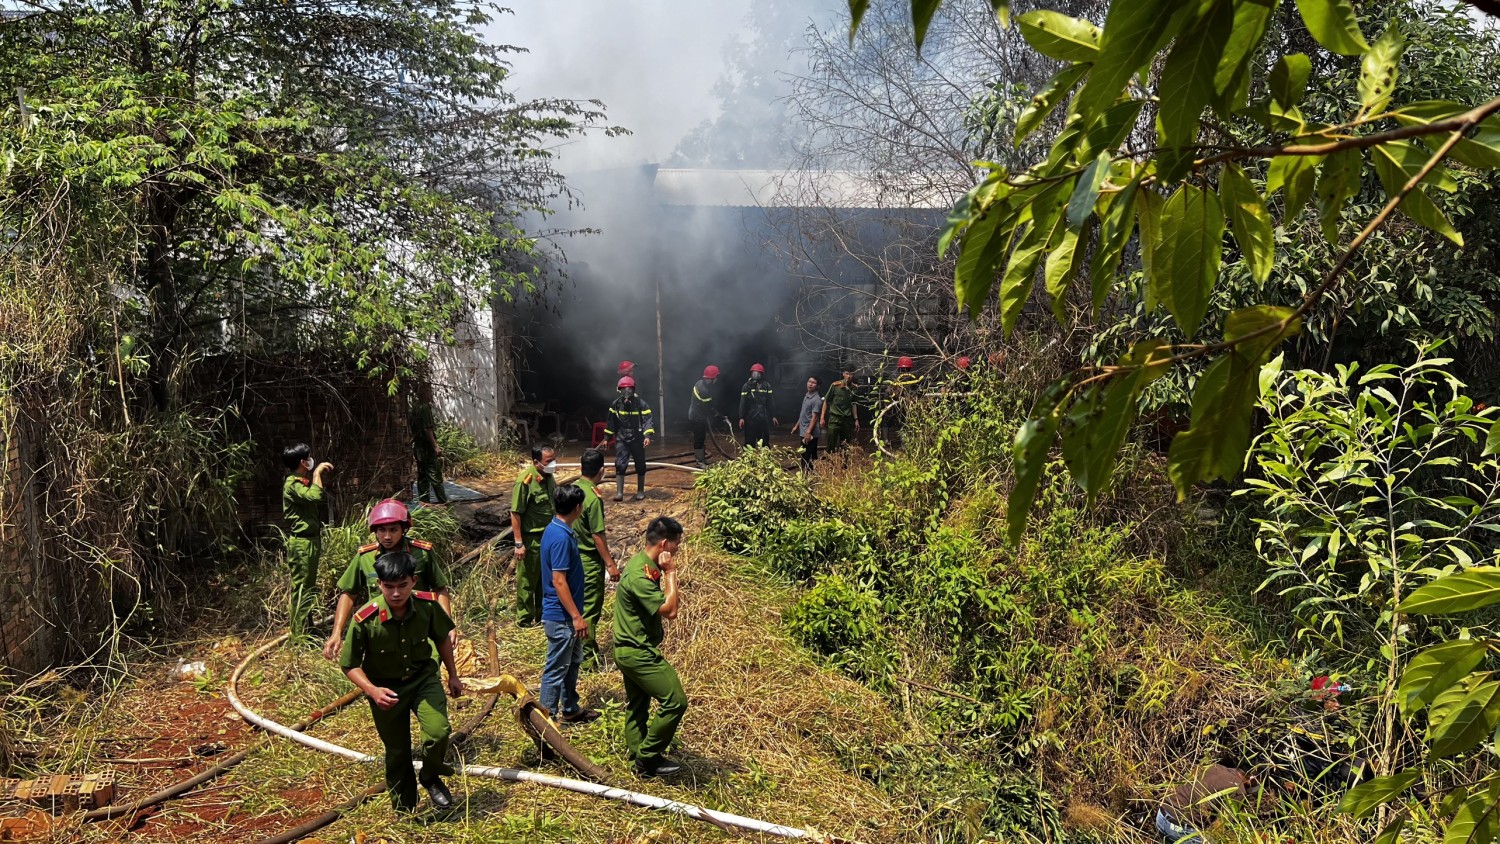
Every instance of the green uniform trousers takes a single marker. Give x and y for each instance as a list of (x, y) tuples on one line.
[(529, 583), (648, 677), (302, 554), (840, 431), (430, 478), (423, 696), (593, 605)]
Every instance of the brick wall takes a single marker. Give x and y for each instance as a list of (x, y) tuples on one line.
[(348, 418)]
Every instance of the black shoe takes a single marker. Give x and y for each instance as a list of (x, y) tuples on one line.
[(640, 496), (662, 767), (582, 716), (438, 794)]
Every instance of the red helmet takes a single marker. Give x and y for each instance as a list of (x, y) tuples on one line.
[(963, 362), (627, 381), (903, 363), (626, 367), (389, 512), (757, 368), (710, 371)]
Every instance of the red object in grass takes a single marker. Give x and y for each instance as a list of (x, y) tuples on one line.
[(1320, 683)]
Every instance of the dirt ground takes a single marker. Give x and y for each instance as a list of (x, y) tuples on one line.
[(752, 740)]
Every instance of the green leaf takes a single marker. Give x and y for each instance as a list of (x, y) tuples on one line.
[(983, 247), (1481, 149), (1150, 208), (1464, 591), (1368, 796), (1058, 272), (1333, 24), (1132, 31), (1232, 77), (1187, 259), (1081, 203), (1492, 440), (1045, 102), (1187, 77), (1249, 220), (1434, 670), (1057, 36), (1002, 11), (1029, 453), (1337, 183), (1289, 79), (1377, 76), (1299, 174), (1095, 428), (1020, 274), (1467, 724), (921, 18), (1397, 162), (1119, 220), (1111, 129), (1477, 821), (1215, 442), (857, 9)]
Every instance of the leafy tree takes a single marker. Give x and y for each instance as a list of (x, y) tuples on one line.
[(273, 175), (1226, 111)]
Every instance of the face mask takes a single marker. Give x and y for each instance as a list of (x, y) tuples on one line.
[(308, 464), (550, 467), (755, 376)]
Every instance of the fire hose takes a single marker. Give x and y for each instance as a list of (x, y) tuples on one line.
[(720, 819)]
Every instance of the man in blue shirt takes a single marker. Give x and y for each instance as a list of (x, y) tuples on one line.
[(562, 609)]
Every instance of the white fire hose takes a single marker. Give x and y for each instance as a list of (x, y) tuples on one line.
[(719, 819)]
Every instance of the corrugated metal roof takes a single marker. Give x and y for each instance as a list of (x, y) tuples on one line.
[(796, 189)]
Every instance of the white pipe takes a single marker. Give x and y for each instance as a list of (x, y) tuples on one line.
[(678, 466), (635, 798)]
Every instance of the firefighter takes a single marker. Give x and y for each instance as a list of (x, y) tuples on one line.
[(701, 412), (756, 419), (897, 392), (630, 425)]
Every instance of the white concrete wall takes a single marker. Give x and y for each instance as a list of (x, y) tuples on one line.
[(464, 379)]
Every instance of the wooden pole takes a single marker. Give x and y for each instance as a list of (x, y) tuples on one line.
[(661, 384)]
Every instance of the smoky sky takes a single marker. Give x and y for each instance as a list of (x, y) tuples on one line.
[(662, 68)]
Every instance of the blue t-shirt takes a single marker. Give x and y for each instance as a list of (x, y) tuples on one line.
[(560, 553)]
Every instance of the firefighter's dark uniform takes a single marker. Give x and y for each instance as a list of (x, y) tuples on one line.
[(396, 653), (700, 413), (630, 424), (755, 409), (897, 393)]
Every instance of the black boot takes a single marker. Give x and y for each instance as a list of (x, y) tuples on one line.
[(619, 487), (640, 487), (438, 794)]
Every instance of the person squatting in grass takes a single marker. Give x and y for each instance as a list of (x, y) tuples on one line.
[(302, 502), (531, 511), (388, 655), (592, 547), (389, 521), (562, 609), (647, 593)]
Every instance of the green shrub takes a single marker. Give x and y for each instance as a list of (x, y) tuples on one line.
[(463, 457), (834, 616), (748, 501)]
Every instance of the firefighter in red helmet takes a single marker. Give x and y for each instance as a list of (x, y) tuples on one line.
[(756, 417), (630, 424), (389, 521), (701, 412), (896, 393)]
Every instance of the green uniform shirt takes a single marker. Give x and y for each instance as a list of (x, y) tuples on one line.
[(360, 581), (396, 649), (638, 600), (532, 500), (302, 504), (840, 401), (420, 421), (591, 520)]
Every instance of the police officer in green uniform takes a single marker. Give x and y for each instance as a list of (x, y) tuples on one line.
[(597, 559), (424, 446), (302, 503), (390, 521), (840, 412), (388, 655), (531, 510), (646, 594)]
